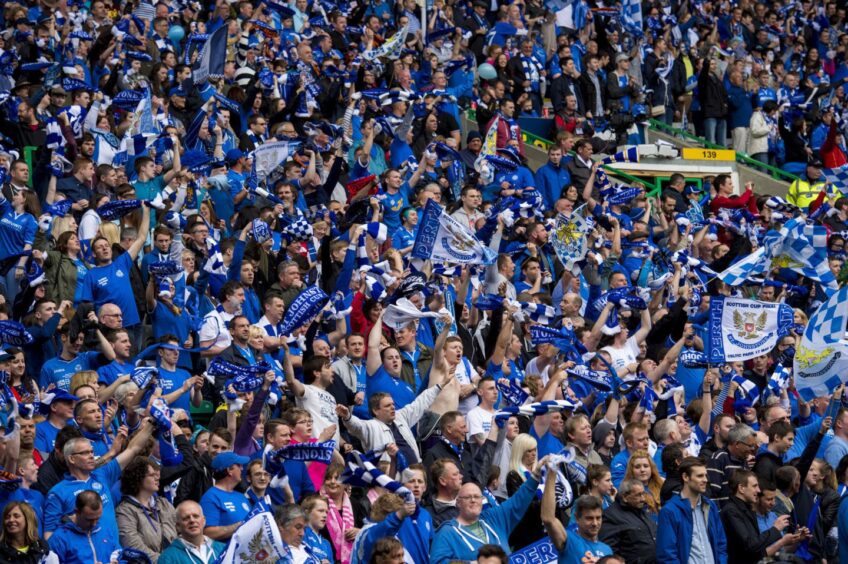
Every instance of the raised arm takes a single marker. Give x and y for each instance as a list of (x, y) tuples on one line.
[(373, 362), (644, 327), (138, 244), (553, 525)]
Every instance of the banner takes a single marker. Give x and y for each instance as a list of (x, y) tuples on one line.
[(821, 361), (257, 540), (442, 238), (306, 452), (742, 329), (268, 156), (540, 552), (569, 238)]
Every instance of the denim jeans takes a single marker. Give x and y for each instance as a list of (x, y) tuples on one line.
[(715, 131)]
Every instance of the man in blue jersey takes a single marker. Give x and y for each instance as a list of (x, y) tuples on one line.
[(59, 370), (178, 386), (635, 438), (58, 406), (573, 546), (109, 281), (225, 508), (120, 341), (84, 474)]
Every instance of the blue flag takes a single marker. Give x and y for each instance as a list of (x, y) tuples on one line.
[(212, 57)]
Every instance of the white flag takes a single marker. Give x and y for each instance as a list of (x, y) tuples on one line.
[(441, 238), (744, 329), (821, 361), (256, 540)]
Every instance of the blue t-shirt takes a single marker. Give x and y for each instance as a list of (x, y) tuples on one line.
[(578, 550), (45, 437), (16, 230), (382, 381), (392, 205), (170, 381), (401, 239), (547, 443), (111, 284), (111, 371), (223, 508), (58, 371)]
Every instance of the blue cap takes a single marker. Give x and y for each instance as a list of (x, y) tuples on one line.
[(56, 394), (233, 155), (176, 91), (227, 459)]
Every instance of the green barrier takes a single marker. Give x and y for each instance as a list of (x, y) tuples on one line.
[(28, 151), (740, 157)]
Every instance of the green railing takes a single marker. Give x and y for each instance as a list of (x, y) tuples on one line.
[(740, 157)]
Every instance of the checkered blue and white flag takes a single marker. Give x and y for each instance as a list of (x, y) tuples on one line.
[(838, 177), (821, 361)]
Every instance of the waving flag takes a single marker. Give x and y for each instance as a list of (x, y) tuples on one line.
[(212, 57), (569, 239), (797, 246), (821, 362), (743, 329), (269, 156), (391, 49), (258, 538), (442, 238)]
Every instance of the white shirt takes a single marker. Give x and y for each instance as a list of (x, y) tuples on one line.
[(625, 355), (322, 405), (215, 327), (464, 378), (479, 421)]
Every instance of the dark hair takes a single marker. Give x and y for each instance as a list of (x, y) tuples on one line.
[(784, 476), (671, 456), (374, 401), (586, 503), (228, 289), (134, 474), (738, 478), (312, 365), (687, 464), (88, 499), (492, 551), (779, 429), (64, 435)]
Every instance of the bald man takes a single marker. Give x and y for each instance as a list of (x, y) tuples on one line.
[(191, 541)]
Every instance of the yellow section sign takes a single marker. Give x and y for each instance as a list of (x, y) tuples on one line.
[(696, 154)]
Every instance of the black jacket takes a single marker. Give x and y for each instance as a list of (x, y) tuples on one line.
[(766, 465), (474, 462), (34, 555), (439, 514), (630, 532), (50, 473), (745, 542), (588, 92), (712, 94), (195, 481)]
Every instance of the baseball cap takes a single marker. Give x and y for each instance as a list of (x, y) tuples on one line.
[(226, 459)]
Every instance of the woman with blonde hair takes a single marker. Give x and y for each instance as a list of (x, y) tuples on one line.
[(19, 540), (521, 462), (110, 232), (641, 467)]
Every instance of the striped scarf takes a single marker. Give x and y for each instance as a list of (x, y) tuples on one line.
[(340, 520)]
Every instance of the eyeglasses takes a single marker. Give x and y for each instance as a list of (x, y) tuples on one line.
[(83, 453)]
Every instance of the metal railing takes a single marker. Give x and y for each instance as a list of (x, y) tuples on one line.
[(741, 158)]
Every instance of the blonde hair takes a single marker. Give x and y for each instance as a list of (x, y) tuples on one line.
[(61, 224), (110, 232), (655, 482), (31, 533), (83, 378), (520, 445), (256, 331)]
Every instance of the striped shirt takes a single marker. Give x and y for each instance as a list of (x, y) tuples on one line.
[(719, 469)]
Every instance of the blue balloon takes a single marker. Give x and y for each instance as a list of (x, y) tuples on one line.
[(176, 34)]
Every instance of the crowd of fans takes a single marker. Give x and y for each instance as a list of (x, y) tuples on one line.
[(141, 226)]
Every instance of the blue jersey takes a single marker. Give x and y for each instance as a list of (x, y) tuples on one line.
[(223, 508), (111, 284), (402, 238), (45, 437), (320, 547), (62, 497), (16, 230), (171, 381), (59, 371), (382, 381), (578, 550), (392, 205), (109, 373)]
